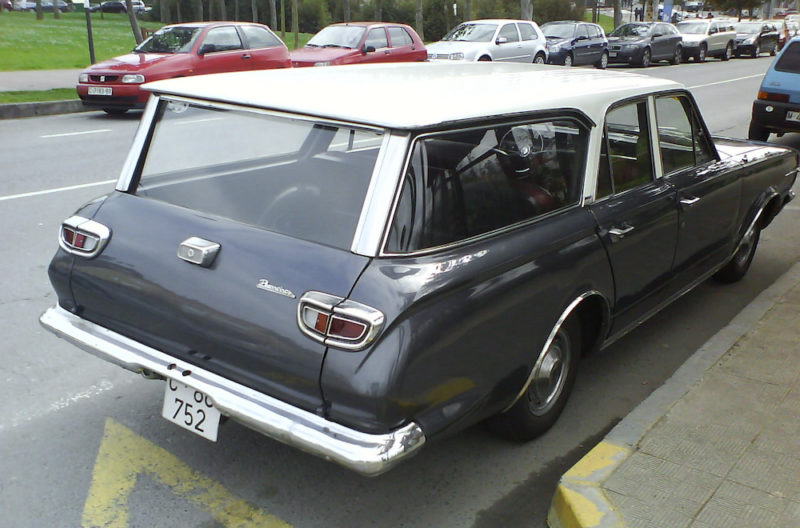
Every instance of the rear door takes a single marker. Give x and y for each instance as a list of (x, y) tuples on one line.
[(508, 46), (403, 47), (266, 50), (376, 38), (636, 214), (223, 51)]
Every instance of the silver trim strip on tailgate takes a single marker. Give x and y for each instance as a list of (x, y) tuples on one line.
[(368, 454)]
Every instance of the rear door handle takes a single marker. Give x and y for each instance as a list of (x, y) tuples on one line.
[(620, 232), (689, 200), (246, 56)]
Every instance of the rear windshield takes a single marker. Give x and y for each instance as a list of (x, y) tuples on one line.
[(789, 61), (296, 177)]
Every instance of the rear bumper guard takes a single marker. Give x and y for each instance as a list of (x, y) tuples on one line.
[(367, 454)]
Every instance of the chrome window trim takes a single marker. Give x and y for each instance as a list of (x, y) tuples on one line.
[(139, 140), (655, 144), (489, 234), (379, 200)]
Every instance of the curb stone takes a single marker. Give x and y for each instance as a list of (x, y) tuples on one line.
[(579, 500), (19, 110)]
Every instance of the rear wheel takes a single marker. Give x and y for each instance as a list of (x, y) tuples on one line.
[(539, 58), (676, 56), (602, 64), (737, 268), (485, 58), (728, 52), (552, 378), (757, 132), (756, 50), (115, 111), (774, 50)]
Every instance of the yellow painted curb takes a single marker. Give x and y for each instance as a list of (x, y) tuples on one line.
[(579, 501)]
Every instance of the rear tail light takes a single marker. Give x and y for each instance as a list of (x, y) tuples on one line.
[(84, 237), (769, 96), (337, 322)]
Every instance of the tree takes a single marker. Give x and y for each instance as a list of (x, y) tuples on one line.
[(526, 9), (39, 13), (137, 32), (254, 10), (199, 10), (295, 24), (346, 9), (739, 5), (379, 10), (223, 10), (419, 21), (617, 13)]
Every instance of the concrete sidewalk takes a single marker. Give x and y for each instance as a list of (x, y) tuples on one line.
[(717, 446)]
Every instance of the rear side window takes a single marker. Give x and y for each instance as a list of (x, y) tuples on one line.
[(223, 39), (400, 37), (509, 31), (377, 38), (296, 177), (789, 60), (527, 32), (464, 184), (260, 38), (680, 137)]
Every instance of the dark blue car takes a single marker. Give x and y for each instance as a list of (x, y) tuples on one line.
[(573, 43)]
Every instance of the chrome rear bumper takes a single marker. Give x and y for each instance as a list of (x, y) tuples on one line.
[(368, 454)]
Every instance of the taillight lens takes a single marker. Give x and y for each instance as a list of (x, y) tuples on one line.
[(84, 237), (769, 96), (337, 322)]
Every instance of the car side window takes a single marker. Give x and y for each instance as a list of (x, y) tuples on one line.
[(258, 37), (376, 38), (625, 160), (582, 32), (682, 140), (399, 37), (527, 32), (463, 184), (595, 32), (509, 31), (224, 38)]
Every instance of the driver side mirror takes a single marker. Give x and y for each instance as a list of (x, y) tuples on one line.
[(207, 48), (367, 49), (501, 40)]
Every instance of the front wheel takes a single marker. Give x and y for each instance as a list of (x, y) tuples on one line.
[(539, 59), (551, 382), (757, 132), (756, 51), (774, 50), (115, 111), (701, 55), (676, 57), (645, 61), (737, 268), (568, 60), (602, 64)]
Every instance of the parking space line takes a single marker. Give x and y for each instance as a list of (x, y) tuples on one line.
[(123, 456), (59, 189), (65, 134), (726, 81)]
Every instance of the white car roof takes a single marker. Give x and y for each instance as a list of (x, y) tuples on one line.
[(418, 95)]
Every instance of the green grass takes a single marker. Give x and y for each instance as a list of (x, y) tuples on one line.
[(58, 94), (49, 44), (604, 21)]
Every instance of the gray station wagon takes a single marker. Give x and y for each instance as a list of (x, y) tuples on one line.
[(354, 278)]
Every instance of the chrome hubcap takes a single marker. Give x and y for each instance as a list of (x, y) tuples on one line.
[(746, 246), (549, 375)]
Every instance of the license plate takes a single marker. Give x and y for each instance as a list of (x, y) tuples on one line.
[(612, 53), (190, 409), (792, 116), (100, 90)]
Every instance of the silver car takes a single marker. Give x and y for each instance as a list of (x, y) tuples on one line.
[(702, 39), (492, 40)]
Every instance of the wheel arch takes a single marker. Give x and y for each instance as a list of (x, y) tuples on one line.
[(593, 312)]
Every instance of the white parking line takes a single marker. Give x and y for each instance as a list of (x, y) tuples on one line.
[(50, 191), (726, 81), (76, 133)]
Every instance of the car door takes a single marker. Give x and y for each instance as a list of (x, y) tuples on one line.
[(531, 43), (403, 47), (222, 50), (636, 214), (708, 197), (599, 43), (508, 46), (266, 50), (581, 49), (376, 45)]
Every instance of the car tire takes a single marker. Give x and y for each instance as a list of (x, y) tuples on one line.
[(644, 62), (737, 267), (756, 50), (676, 56), (701, 55), (728, 52), (774, 50), (541, 404), (568, 60), (115, 111), (757, 132), (602, 64), (485, 58), (539, 59)]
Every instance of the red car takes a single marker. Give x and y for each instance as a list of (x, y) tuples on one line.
[(361, 42), (177, 51)]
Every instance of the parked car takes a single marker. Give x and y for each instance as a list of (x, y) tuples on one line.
[(642, 43), (361, 42), (492, 40), (46, 5), (139, 7), (111, 6), (704, 38), (777, 108), (574, 43), (176, 51), (355, 278), (753, 38), (786, 31)]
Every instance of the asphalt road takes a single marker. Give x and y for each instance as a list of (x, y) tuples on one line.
[(83, 442)]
